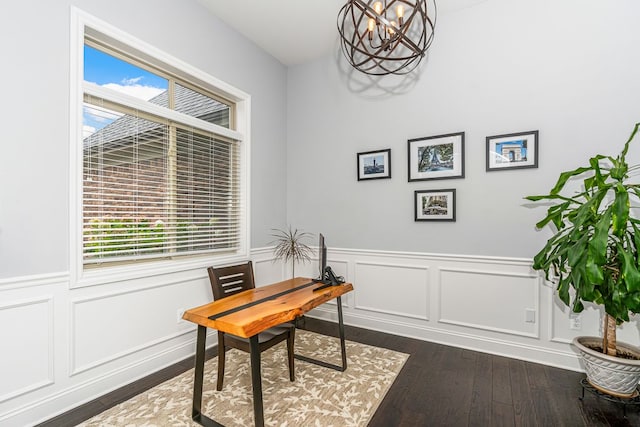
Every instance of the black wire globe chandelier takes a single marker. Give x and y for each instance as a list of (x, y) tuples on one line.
[(380, 37)]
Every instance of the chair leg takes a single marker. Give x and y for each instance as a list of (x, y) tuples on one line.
[(221, 354), (290, 350)]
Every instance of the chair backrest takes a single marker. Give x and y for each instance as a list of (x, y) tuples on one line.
[(226, 281)]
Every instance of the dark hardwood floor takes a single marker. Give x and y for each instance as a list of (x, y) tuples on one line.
[(442, 386)]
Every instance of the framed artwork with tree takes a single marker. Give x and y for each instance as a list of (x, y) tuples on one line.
[(436, 157)]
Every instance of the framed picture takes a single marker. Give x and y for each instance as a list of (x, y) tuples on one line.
[(512, 151), (435, 205), (436, 157), (374, 164)]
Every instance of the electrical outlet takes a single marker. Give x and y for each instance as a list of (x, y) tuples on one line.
[(575, 321), (530, 315), (179, 314)]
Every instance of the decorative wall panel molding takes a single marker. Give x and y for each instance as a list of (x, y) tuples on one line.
[(27, 341), (398, 289), (492, 300), (110, 326)]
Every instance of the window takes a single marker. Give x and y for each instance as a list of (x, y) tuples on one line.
[(162, 167)]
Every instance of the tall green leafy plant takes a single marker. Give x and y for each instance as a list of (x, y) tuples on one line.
[(290, 246), (595, 247)]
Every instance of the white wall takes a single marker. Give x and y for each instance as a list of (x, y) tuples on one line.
[(567, 69), (61, 344)]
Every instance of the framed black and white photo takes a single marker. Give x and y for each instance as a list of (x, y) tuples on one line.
[(374, 164), (435, 205), (436, 157), (512, 151)]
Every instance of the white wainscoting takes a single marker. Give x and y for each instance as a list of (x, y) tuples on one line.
[(27, 346), (63, 346), (489, 304)]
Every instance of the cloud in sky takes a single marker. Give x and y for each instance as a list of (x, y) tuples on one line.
[(135, 89), (132, 81)]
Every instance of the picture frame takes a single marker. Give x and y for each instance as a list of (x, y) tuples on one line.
[(435, 205), (512, 151), (374, 164), (436, 157)]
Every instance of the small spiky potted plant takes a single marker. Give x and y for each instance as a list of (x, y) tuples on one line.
[(289, 246), (594, 251)]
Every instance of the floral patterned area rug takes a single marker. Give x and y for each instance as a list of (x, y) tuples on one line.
[(318, 397)]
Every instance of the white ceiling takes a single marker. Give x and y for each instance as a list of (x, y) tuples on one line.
[(294, 31)]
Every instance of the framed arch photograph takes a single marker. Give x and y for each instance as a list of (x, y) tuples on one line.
[(512, 151)]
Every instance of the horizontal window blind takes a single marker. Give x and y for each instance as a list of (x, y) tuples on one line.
[(157, 188)]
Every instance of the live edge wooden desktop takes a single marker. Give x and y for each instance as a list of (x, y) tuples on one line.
[(248, 313)]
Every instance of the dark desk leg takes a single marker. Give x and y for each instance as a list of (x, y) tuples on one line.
[(256, 381), (199, 373), (342, 346), (341, 326), (196, 412)]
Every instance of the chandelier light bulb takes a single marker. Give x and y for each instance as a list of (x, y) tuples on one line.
[(400, 14), (391, 29), (372, 26), (377, 6)]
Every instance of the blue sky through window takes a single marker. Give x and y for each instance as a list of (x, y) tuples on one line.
[(106, 70)]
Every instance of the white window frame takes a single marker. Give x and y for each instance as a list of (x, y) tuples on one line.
[(81, 25)]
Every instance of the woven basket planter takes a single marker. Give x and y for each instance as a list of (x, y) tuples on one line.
[(617, 376)]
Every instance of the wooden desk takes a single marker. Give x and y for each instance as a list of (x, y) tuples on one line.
[(248, 313)]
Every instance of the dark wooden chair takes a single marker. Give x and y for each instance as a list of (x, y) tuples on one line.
[(226, 281)]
